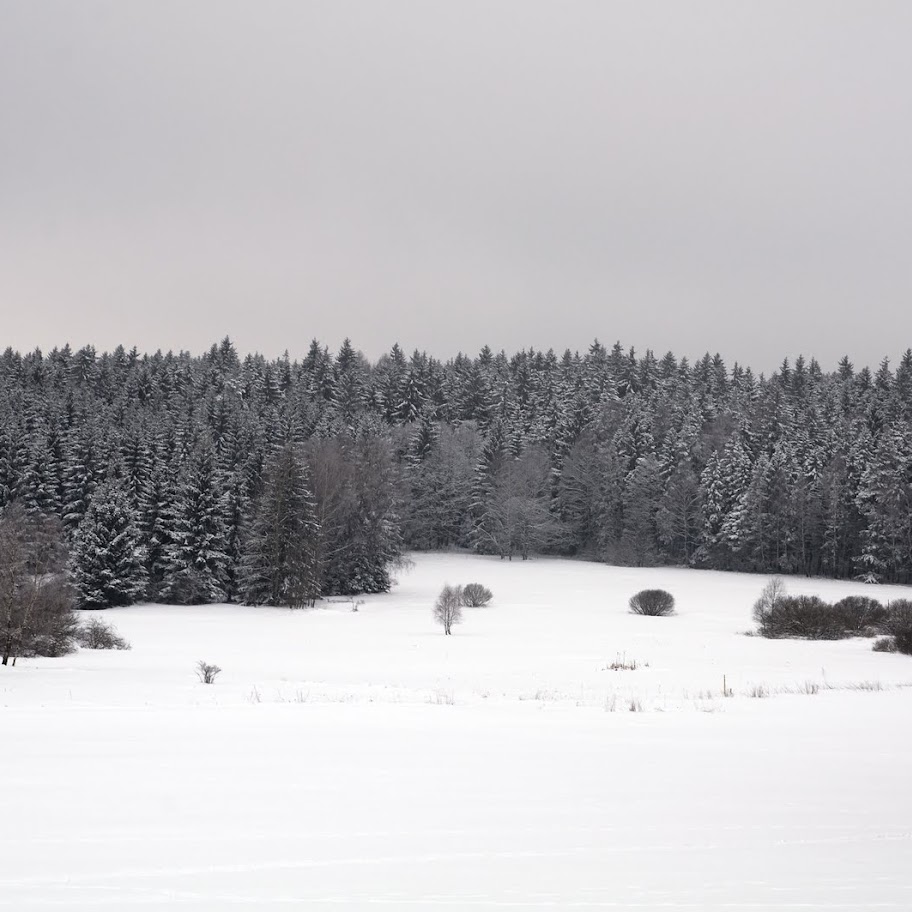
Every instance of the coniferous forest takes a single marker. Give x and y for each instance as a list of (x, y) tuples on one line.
[(200, 479)]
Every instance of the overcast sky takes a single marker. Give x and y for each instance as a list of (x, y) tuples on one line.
[(728, 176)]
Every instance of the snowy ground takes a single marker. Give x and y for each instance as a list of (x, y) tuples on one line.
[(355, 760)]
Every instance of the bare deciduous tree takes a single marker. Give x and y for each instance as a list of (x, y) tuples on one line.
[(773, 591), (518, 517), (36, 616), (448, 608)]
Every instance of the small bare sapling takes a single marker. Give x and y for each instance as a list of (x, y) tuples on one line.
[(448, 608)]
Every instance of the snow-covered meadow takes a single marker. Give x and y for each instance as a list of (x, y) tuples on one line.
[(354, 759)]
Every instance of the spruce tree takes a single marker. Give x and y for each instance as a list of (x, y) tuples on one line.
[(195, 560), (885, 501), (107, 555), (642, 501), (156, 511), (678, 519), (279, 549)]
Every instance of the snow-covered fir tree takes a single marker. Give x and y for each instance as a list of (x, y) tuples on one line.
[(108, 563), (195, 557), (279, 553), (800, 471)]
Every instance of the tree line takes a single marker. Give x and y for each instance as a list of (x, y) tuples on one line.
[(194, 479)]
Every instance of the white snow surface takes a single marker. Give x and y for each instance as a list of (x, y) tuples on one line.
[(363, 760)]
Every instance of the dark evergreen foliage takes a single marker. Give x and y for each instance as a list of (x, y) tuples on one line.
[(279, 553), (607, 455), (107, 556), (195, 558)]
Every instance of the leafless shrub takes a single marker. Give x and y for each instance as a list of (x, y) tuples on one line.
[(899, 625), (810, 688), (801, 617), (758, 691), (207, 673), (474, 595), (448, 608), (809, 617), (860, 615), (652, 603), (635, 706), (97, 634), (884, 644)]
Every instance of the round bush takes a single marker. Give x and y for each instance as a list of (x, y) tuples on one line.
[(653, 603), (899, 625), (859, 614), (474, 595)]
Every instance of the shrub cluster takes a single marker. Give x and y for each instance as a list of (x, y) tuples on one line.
[(810, 617), (653, 603), (801, 617)]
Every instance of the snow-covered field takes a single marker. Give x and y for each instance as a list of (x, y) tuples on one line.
[(355, 760)]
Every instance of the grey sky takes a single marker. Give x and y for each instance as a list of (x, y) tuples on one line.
[(728, 176)]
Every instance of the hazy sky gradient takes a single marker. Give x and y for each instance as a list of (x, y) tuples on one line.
[(728, 176)]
